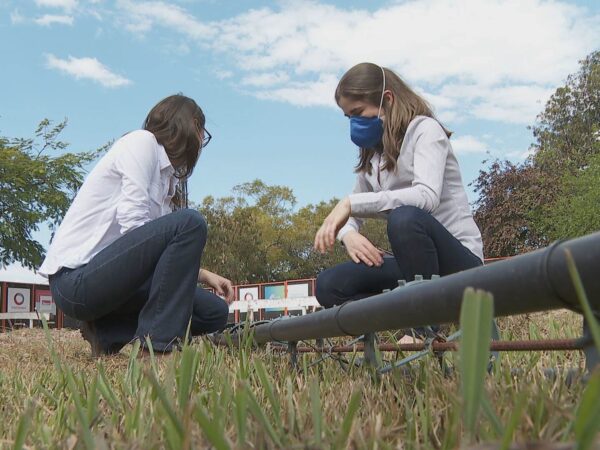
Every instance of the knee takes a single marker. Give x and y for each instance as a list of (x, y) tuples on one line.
[(325, 289), (217, 318), (193, 221), (402, 220), (222, 314)]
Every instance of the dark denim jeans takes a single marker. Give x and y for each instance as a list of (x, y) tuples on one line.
[(144, 284), (421, 246)]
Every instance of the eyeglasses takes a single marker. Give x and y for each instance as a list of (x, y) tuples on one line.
[(207, 138)]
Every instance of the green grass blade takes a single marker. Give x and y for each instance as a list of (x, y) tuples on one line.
[(268, 386), (105, 390), (86, 432), (188, 367), (317, 415), (353, 405), (92, 401), (587, 422), (241, 407), (492, 416), (513, 422), (162, 396), (476, 324), (291, 410), (260, 415), (23, 427), (215, 435)]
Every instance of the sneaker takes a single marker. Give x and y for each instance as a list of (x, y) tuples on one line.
[(88, 332)]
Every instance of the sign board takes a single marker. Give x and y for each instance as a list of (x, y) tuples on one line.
[(44, 302), (248, 293), (274, 292), (19, 300), (295, 290)]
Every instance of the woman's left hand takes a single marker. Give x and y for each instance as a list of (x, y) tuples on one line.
[(222, 286), (337, 218)]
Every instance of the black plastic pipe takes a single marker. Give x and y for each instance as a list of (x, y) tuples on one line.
[(536, 281)]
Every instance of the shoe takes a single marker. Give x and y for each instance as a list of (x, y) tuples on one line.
[(88, 331)]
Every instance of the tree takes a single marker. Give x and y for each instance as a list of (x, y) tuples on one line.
[(566, 131), (525, 206), (247, 232), (577, 212), (35, 188), (508, 193), (257, 236)]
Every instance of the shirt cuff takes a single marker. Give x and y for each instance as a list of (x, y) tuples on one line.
[(364, 203), (344, 230)]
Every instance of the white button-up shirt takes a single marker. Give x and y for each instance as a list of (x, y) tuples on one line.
[(130, 186), (427, 176)]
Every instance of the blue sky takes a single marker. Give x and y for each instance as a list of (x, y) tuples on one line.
[(264, 73)]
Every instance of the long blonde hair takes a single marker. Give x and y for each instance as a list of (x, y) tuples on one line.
[(364, 82)]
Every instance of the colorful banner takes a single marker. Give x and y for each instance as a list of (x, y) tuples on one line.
[(272, 292), (19, 300)]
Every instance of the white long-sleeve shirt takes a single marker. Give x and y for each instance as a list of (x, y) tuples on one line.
[(427, 176), (130, 186)]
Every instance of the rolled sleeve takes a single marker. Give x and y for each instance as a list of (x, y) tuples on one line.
[(136, 164), (353, 224)]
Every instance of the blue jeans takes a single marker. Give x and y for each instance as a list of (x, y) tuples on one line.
[(421, 246), (144, 284)]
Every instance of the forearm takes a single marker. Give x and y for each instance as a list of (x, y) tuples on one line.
[(204, 275), (373, 204)]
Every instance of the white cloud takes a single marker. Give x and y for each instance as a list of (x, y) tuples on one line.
[(51, 19), (468, 144), (223, 74), (87, 68), (517, 104), (141, 17), (319, 92), (519, 154), (265, 79), (506, 56), (16, 17), (67, 5)]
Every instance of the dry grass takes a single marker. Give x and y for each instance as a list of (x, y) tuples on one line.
[(235, 398)]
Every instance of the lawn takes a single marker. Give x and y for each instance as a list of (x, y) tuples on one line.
[(54, 395)]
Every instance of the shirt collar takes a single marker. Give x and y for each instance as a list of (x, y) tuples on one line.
[(376, 159), (164, 159)]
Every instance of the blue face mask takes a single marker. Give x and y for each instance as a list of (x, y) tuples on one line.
[(366, 132)]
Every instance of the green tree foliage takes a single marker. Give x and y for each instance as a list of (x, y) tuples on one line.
[(566, 132), (577, 211), (35, 188), (524, 206), (257, 236)]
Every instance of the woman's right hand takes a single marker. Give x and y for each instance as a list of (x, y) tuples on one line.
[(360, 249)]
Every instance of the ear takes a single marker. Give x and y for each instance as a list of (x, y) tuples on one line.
[(388, 96)]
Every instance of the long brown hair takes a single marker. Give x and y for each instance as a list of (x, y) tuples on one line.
[(364, 82), (176, 122)]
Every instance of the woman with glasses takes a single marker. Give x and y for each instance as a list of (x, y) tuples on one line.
[(126, 257), (408, 175)]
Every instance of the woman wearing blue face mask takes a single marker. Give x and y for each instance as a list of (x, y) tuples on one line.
[(408, 175)]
